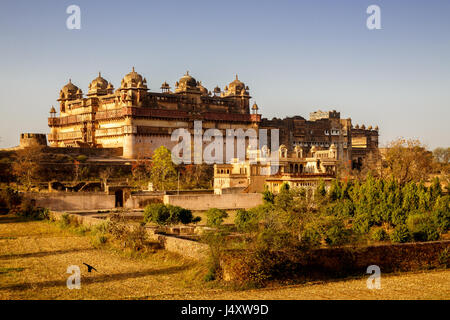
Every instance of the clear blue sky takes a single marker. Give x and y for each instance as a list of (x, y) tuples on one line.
[(296, 57)]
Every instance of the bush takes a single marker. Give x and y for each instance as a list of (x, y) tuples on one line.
[(378, 234), (162, 214), (215, 217), (82, 158), (423, 227), (268, 196), (246, 220), (9, 198), (400, 234), (270, 239), (335, 232), (28, 210), (444, 258), (310, 236)]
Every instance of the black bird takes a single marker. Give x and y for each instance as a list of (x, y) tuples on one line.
[(90, 268)]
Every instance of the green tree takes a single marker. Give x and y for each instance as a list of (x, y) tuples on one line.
[(163, 173), (215, 217)]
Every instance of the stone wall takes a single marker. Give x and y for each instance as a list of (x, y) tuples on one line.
[(326, 263), (142, 199), (207, 201), (69, 201), (186, 248)]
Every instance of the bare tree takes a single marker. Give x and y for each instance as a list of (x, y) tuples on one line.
[(407, 160), (27, 167)]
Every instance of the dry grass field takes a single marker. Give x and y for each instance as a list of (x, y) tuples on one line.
[(34, 257)]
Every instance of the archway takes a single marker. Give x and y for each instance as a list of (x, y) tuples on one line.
[(119, 198)]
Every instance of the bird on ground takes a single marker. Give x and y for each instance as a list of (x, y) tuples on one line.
[(90, 268)]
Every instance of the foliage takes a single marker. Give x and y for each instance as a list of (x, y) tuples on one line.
[(27, 209), (378, 234), (27, 167), (268, 196), (400, 234), (9, 198), (423, 227), (163, 173), (407, 160), (162, 214), (246, 220), (215, 217), (82, 158)]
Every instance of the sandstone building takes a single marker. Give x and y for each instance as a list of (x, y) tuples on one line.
[(138, 120)]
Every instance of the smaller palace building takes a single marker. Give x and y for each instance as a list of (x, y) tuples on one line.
[(298, 168)]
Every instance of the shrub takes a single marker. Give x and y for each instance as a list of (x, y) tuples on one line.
[(400, 234), (268, 196), (215, 217), (9, 198), (310, 236), (82, 158), (270, 239), (28, 210), (444, 258), (162, 214), (335, 232), (378, 234), (246, 220), (423, 227)]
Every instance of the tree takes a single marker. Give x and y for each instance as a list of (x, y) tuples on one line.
[(105, 174), (407, 160), (162, 214), (215, 217), (27, 167), (442, 155), (163, 173)]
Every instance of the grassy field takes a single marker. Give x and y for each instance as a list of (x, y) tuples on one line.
[(34, 257)]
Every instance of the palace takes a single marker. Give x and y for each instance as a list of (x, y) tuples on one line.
[(139, 121)]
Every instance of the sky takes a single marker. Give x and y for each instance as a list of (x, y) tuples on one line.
[(295, 56)]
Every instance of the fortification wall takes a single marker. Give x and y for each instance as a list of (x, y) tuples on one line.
[(207, 201)]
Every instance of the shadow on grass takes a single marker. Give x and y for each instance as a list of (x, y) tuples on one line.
[(100, 278), (14, 219), (41, 254)]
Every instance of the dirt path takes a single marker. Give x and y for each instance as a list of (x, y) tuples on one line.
[(34, 257)]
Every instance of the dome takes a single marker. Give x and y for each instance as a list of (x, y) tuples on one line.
[(132, 79), (187, 81), (236, 87), (203, 90), (69, 91), (53, 110), (99, 83), (255, 106)]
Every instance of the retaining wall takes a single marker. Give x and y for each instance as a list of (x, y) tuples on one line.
[(207, 201), (238, 265), (68, 201), (186, 248)]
